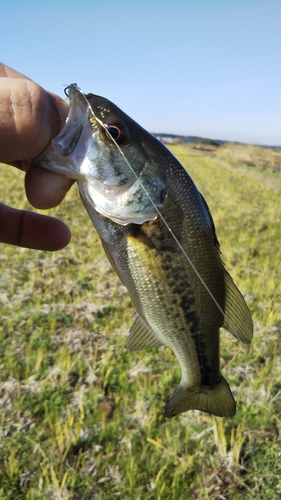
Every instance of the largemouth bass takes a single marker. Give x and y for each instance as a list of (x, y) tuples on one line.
[(159, 236)]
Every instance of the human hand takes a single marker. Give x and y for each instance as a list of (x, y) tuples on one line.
[(29, 119)]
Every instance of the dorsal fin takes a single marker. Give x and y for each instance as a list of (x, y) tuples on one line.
[(238, 319)]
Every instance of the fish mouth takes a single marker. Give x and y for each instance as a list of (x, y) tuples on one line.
[(81, 152), (69, 148)]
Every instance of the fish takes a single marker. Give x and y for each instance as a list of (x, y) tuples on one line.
[(159, 236)]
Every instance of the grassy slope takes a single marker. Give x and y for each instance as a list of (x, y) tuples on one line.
[(82, 418)]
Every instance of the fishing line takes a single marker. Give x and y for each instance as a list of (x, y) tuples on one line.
[(154, 205)]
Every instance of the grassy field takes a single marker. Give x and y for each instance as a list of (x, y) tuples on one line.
[(81, 417)]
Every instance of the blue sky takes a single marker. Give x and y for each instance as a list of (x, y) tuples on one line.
[(192, 67)]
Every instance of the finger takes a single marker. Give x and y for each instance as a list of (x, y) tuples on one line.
[(45, 189), (31, 230), (29, 118), (62, 106)]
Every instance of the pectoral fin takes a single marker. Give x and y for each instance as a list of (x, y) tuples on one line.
[(149, 257), (141, 336), (238, 319)]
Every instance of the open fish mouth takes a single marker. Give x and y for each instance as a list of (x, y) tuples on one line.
[(89, 149)]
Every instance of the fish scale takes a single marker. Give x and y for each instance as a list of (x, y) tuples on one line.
[(159, 236)]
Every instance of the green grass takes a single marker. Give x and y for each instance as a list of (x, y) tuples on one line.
[(82, 418)]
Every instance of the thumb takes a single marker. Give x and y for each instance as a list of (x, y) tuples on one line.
[(29, 118)]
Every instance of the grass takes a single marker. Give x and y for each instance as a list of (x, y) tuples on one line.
[(253, 156), (82, 418)]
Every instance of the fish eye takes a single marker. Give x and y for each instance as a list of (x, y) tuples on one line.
[(115, 131)]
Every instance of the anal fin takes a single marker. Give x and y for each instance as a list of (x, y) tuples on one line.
[(141, 336)]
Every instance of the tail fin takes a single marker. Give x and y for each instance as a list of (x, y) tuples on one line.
[(216, 399)]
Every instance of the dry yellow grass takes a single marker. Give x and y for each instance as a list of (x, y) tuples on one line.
[(251, 155)]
